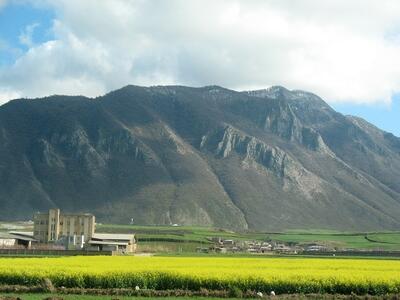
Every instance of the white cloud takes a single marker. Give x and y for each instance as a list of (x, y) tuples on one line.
[(6, 95), (26, 36), (342, 50)]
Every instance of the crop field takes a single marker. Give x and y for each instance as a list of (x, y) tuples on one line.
[(186, 238), (166, 237), (368, 241), (282, 275), (178, 234)]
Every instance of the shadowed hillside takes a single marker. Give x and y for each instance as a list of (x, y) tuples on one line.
[(265, 160)]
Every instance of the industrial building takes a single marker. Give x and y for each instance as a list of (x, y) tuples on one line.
[(77, 232), (124, 243), (51, 226), (6, 240), (16, 239)]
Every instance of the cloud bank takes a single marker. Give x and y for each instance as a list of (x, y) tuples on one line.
[(345, 51)]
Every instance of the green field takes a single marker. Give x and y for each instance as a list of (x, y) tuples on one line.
[(356, 241), (163, 239), (390, 238), (187, 238), (179, 233)]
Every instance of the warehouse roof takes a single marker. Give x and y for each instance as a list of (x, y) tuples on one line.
[(23, 235), (92, 242), (113, 236)]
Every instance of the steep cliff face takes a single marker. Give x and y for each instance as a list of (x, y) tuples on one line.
[(251, 149), (271, 160), (267, 160)]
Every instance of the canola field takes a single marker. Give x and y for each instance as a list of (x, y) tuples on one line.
[(281, 275)]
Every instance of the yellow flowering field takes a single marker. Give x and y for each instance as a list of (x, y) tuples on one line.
[(282, 275)]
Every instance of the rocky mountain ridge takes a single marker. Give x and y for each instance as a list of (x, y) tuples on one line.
[(270, 159)]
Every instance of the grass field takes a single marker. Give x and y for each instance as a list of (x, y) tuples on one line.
[(179, 233), (176, 239), (282, 275), (389, 238), (381, 241), (173, 239)]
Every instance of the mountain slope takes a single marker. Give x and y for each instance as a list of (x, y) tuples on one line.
[(269, 159)]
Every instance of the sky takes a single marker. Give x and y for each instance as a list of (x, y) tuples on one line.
[(347, 52)]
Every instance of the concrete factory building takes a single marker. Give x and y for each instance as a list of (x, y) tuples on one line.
[(51, 226), (77, 231)]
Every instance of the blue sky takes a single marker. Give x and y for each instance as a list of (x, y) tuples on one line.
[(336, 49), (14, 19), (382, 116)]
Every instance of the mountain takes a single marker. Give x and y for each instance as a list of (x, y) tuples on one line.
[(267, 160)]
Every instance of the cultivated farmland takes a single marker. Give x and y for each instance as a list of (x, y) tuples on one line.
[(187, 238), (282, 275)]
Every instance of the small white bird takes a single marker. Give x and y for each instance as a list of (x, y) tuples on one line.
[(137, 288), (259, 294), (272, 293)]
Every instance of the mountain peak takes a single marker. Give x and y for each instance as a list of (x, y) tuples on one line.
[(271, 92), (269, 159)]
